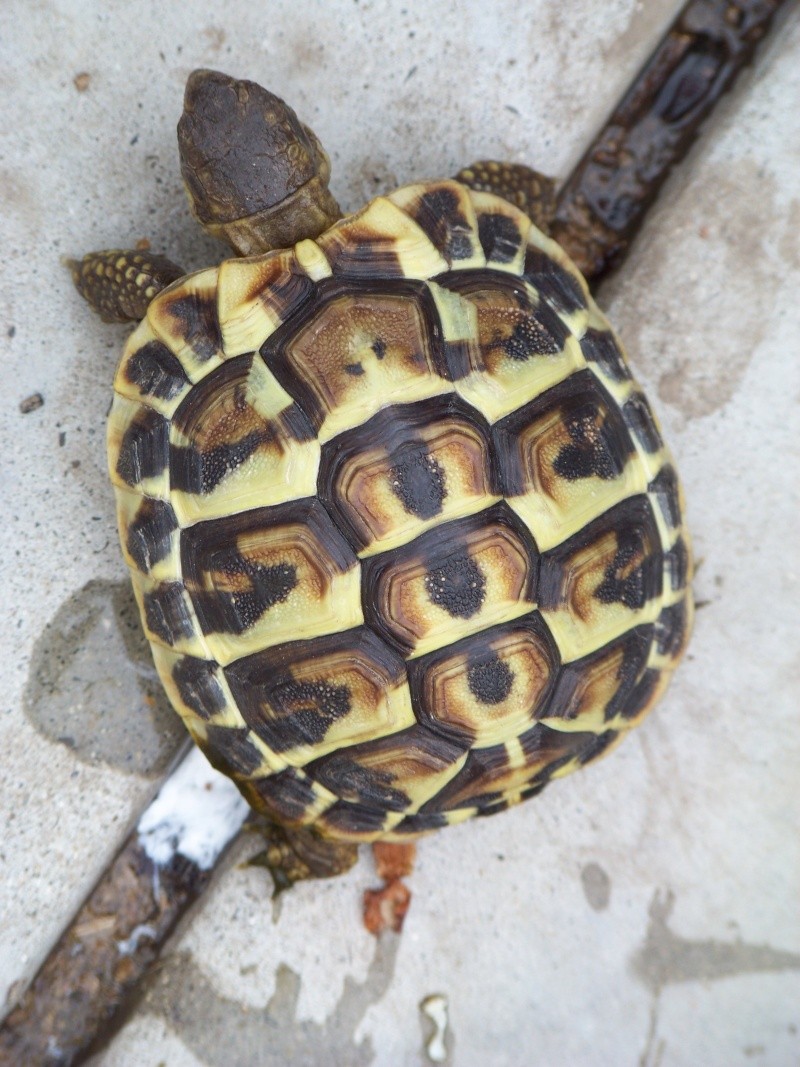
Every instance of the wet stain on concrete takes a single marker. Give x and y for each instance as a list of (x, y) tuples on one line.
[(727, 270), (92, 685), (224, 1033), (665, 958), (596, 886)]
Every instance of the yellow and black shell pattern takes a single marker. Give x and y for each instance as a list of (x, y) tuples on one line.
[(405, 537)]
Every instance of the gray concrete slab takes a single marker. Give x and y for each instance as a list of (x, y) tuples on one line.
[(643, 912)]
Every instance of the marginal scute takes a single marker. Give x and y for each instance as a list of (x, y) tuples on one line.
[(138, 448), (444, 211), (257, 294), (502, 231), (381, 241), (184, 317), (403, 532), (289, 796)]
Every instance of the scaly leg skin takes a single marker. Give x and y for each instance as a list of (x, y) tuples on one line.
[(296, 855), (527, 189), (119, 284)]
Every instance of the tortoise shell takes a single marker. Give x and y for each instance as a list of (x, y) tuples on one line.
[(403, 531)]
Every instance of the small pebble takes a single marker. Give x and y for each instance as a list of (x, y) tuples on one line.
[(31, 403), (435, 1008), (81, 81)]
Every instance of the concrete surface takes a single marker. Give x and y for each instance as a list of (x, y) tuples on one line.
[(642, 913)]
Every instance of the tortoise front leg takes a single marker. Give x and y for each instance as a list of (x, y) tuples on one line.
[(119, 284), (527, 189)]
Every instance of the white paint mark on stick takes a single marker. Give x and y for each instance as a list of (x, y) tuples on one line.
[(196, 813)]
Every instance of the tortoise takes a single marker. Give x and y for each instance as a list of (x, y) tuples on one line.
[(402, 527)]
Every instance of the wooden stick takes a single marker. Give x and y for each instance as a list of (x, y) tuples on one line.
[(117, 935), (603, 203)]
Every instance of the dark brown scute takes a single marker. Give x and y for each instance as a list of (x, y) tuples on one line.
[(229, 126), (421, 823), (353, 818), (150, 533), (167, 613), (156, 372), (676, 565), (558, 287), (538, 330), (633, 649), (231, 589), (454, 580), (438, 213), (230, 750), (398, 443), (499, 236), (372, 774), (195, 317), (144, 449), (599, 347), (290, 695), (671, 627), (287, 794), (489, 678), (198, 686), (639, 419), (665, 489), (277, 349), (219, 402)]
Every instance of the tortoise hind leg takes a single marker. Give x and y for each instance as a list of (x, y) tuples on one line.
[(527, 189), (294, 855), (119, 284)]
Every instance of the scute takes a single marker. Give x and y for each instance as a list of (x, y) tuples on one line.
[(403, 530)]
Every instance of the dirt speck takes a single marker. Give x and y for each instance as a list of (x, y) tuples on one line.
[(216, 37), (223, 1033), (92, 685), (596, 885), (82, 81), (31, 403)]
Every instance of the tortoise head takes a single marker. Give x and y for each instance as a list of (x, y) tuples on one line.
[(256, 177)]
